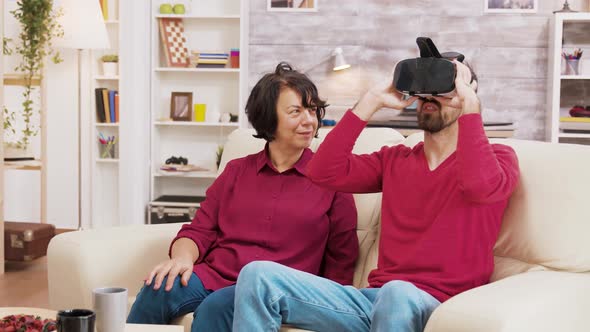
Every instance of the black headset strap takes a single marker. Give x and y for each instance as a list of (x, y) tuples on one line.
[(427, 48)]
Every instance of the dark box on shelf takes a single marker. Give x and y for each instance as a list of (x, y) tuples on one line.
[(172, 209), (25, 241)]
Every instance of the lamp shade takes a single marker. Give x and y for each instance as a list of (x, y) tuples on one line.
[(83, 25), (339, 62)]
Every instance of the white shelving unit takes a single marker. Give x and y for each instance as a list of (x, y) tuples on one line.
[(568, 31), (209, 26), (105, 207)]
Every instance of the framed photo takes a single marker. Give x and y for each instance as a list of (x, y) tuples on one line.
[(180, 106), (293, 5), (510, 6)]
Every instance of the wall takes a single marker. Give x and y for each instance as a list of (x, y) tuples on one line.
[(508, 51)]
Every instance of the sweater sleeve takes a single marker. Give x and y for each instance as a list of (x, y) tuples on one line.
[(487, 173), (342, 247), (334, 166), (203, 229)]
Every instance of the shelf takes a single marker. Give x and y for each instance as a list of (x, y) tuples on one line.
[(575, 77), (196, 16), (107, 124), (198, 175), (107, 160), (16, 79), (196, 124), (106, 78), (197, 70)]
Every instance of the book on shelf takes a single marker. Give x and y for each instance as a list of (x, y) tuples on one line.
[(107, 105), (575, 126), (574, 119), (107, 108), (99, 105)]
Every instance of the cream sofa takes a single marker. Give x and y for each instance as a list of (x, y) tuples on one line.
[(541, 281)]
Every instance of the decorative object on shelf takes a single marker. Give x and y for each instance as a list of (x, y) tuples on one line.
[(82, 19), (213, 116), (225, 117), (572, 61), (200, 112), (234, 57), (174, 42), (580, 111), (233, 117), (180, 105), (293, 5), (565, 9), (33, 46), (176, 160), (110, 64), (165, 9), (107, 146), (510, 6), (179, 9)]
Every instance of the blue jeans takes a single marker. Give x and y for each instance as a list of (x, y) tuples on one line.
[(213, 310), (269, 294)]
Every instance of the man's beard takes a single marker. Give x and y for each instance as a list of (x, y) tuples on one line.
[(432, 122)]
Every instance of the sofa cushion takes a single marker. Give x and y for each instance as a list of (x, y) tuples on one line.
[(547, 222)]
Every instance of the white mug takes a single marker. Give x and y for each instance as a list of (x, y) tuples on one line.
[(110, 306)]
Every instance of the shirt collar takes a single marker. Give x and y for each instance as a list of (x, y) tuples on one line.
[(263, 160)]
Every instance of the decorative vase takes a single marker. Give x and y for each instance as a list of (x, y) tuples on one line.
[(110, 68), (12, 153)]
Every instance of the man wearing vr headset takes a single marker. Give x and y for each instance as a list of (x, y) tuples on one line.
[(442, 206)]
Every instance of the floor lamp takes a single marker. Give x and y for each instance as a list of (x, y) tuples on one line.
[(84, 29)]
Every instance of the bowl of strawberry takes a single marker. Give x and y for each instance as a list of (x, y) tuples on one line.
[(24, 323)]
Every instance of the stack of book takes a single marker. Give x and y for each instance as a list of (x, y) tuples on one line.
[(209, 59), (107, 105), (571, 124)]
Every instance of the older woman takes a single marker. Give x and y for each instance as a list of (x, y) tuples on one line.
[(262, 207)]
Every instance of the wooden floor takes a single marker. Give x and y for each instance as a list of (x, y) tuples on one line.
[(25, 284)]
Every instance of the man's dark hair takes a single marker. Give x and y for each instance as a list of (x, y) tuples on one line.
[(261, 107)]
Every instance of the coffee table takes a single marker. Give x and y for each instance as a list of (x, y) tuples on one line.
[(46, 313)]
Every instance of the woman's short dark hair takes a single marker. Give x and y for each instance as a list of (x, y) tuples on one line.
[(261, 107)]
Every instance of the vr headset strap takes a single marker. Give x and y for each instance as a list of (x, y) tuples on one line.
[(427, 48)]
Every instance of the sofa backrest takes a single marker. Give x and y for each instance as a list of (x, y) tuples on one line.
[(547, 222), (241, 143)]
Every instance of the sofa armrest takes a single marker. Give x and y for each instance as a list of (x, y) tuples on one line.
[(80, 261), (533, 301)]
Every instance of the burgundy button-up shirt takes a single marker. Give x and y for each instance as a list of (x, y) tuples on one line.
[(253, 212)]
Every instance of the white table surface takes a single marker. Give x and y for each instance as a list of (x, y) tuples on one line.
[(46, 313)]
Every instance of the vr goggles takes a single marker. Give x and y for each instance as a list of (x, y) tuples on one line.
[(432, 74)]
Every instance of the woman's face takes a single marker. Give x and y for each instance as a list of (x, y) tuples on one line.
[(296, 125)]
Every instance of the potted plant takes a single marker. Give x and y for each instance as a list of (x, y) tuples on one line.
[(38, 24), (110, 64)]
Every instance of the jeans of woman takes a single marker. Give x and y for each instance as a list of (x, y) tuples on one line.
[(269, 294), (213, 310)]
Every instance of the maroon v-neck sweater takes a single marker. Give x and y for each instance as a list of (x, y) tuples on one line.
[(438, 227)]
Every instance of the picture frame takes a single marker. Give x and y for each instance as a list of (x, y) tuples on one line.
[(181, 104), (511, 6), (292, 5)]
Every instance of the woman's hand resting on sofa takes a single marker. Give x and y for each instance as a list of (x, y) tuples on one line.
[(184, 253)]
